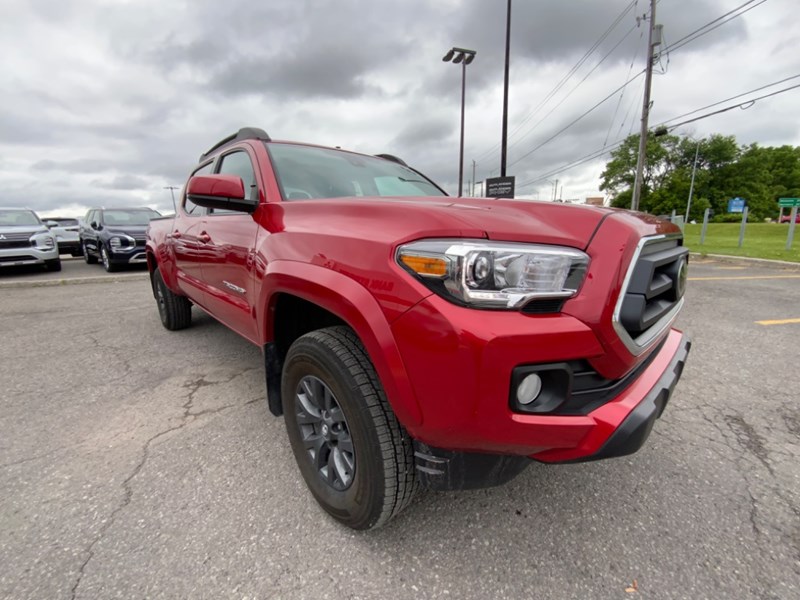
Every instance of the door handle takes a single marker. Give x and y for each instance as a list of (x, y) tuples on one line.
[(204, 237), (176, 234)]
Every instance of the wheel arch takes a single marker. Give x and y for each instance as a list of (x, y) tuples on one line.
[(323, 298)]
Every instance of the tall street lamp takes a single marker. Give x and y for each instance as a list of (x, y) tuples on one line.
[(465, 57)]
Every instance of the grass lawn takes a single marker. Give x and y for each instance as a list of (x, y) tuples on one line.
[(761, 240)]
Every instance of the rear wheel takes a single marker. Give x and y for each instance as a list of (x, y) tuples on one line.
[(175, 311), (355, 457), (88, 258)]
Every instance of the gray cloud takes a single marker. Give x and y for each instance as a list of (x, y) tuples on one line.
[(124, 96)]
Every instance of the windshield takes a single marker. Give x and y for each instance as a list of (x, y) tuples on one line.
[(128, 217), (63, 222), (306, 172), (11, 218)]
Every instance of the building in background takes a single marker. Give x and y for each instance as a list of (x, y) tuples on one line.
[(595, 200)]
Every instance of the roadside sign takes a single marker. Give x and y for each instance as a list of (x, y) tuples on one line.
[(736, 205), (788, 202), (500, 187)]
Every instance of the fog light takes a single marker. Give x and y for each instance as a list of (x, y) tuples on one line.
[(529, 389)]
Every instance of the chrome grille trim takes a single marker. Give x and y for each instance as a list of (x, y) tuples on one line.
[(642, 342)]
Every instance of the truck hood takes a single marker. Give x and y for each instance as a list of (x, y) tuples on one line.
[(394, 220)]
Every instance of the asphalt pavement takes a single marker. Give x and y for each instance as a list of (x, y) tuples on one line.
[(141, 463)]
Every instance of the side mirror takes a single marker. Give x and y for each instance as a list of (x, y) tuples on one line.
[(94, 225), (51, 224), (219, 191)]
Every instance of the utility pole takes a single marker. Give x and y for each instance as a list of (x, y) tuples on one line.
[(648, 80), (691, 185), (504, 141), (473, 179)]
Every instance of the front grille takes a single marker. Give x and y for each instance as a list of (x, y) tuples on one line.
[(16, 237), (13, 259), (6, 244), (653, 292)]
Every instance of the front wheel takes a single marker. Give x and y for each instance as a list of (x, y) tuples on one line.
[(88, 258), (175, 311), (355, 457), (107, 264), (53, 265)]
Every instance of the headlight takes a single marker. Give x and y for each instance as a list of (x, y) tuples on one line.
[(43, 241), (122, 243), (489, 274)]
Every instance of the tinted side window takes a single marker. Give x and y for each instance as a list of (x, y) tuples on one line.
[(190, 207), (238, 163)]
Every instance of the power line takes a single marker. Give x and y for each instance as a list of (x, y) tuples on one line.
[(563, 129), (584, 159), (598, 153), (572, 91), (705, 29), (758, 89), (743, 105), (566, 77), (622, 93)]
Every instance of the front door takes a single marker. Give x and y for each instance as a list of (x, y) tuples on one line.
[(229, 238)]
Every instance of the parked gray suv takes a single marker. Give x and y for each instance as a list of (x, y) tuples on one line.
[(25, 240)]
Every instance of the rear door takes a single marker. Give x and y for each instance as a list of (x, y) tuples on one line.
[(229, 239)]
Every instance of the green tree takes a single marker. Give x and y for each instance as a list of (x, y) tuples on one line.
[(724, 170)]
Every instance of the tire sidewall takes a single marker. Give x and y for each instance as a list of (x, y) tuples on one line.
[(161, 288), (356, 505)]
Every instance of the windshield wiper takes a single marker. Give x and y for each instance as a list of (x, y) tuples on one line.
[(414, 180)]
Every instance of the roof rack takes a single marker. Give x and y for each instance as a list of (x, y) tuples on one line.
[(245, 133), (392, 158)]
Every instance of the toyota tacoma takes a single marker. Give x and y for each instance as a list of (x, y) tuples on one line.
[(411, 339)]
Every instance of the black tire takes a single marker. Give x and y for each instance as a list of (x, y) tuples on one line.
[(175, 311), (382, 479), (106, 259), (53, 265), (88, 258)]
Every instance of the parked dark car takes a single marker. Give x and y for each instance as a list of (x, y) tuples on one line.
[(115, 236), (67, 232)]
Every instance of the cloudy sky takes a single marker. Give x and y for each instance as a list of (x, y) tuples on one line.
[(106, 102)]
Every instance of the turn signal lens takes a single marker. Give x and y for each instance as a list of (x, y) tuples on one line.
[(425, 266)]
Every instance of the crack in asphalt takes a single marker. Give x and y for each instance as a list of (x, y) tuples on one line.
[(187, 418)]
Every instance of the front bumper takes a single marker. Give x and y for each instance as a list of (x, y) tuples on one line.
[(634, 430), (133, 257), (13, 257), (460, 363)]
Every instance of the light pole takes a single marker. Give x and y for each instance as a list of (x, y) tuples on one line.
[(504, 135), (172, 189), (465, 57)]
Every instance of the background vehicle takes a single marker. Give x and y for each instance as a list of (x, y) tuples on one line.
[(24, 240), (414, 339), (115, 236), (788, 218), (67, 235)]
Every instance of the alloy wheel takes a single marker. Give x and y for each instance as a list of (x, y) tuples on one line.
[(325, 434)]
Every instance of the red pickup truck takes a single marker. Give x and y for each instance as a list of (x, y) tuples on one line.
[(415, 340)]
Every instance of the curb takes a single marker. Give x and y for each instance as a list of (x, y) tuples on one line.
[(74, 281), (781, 264)]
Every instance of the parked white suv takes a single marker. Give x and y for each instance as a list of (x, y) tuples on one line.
[(25, 240)]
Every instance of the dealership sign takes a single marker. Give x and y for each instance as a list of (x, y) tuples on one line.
[(500, 187)]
